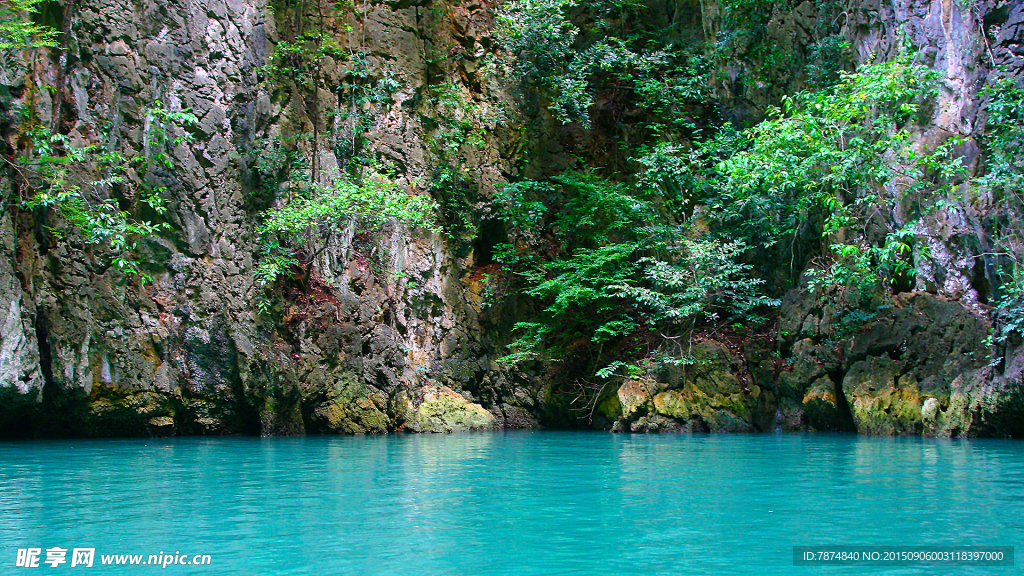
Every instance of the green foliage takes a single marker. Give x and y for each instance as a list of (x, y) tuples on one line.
[(627, 370), (455, 124), (843, 181), (539, 34), (299, 58), (1004, 140), (826, 59), (274, 263), (967, 5), (307, 203), (18, 32), (620, 270), (298, 61), (674, 246), (371, 203), (279, 167), (1009, 309), (743, 27), (105, 211), (521, 206), (704, 279), (832, 155), (1003, 180), (571, 60), (597, 212), (312, 214), (362, 97), (584, 286), (453, 189), (669, 90), (742, 30), (573, 50)]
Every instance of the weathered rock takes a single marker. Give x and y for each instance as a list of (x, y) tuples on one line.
[(634, 397), (380, 312), (443, 410), (824, 410), (881, 400), (388, 330), (704, 396), (790, 416), (21, 376)]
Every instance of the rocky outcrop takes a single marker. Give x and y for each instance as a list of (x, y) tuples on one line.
[(920, 366), (711, 393), (442, 410), (382, 315), (386, 330), (21, 377)]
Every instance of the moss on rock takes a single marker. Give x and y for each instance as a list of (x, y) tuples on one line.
[(444, 410)]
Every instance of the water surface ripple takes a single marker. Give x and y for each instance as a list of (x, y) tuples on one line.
[(513, 503)]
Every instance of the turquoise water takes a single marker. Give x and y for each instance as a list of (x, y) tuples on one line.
[(516, 503)]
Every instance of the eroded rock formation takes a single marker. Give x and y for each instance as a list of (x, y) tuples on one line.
[(388, 331)]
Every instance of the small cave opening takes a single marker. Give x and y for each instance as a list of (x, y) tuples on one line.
[(844, 413), (905, 279), (979, 280), (50, 387), (49, 13), (492, 232), (997, 16)]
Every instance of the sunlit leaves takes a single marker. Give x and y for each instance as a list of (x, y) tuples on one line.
[(93, 211), (312, 214), (830, 153), (17, 32), (703, 280)]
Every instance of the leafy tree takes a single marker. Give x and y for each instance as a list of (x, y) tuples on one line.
[(841, 155), (296, 231), (1003, 183), (704, 281), (105, 211), (620, 269), (17, 32)]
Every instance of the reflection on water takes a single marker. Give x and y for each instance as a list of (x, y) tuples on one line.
[(518, 503)]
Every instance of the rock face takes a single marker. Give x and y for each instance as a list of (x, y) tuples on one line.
[(388, 332), (442, 410), (918, 367), (85, 350), (713, 393), (21, 378)]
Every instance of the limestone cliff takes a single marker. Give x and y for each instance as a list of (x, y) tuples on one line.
[(387, 323), (921, 365), (387, 331)]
